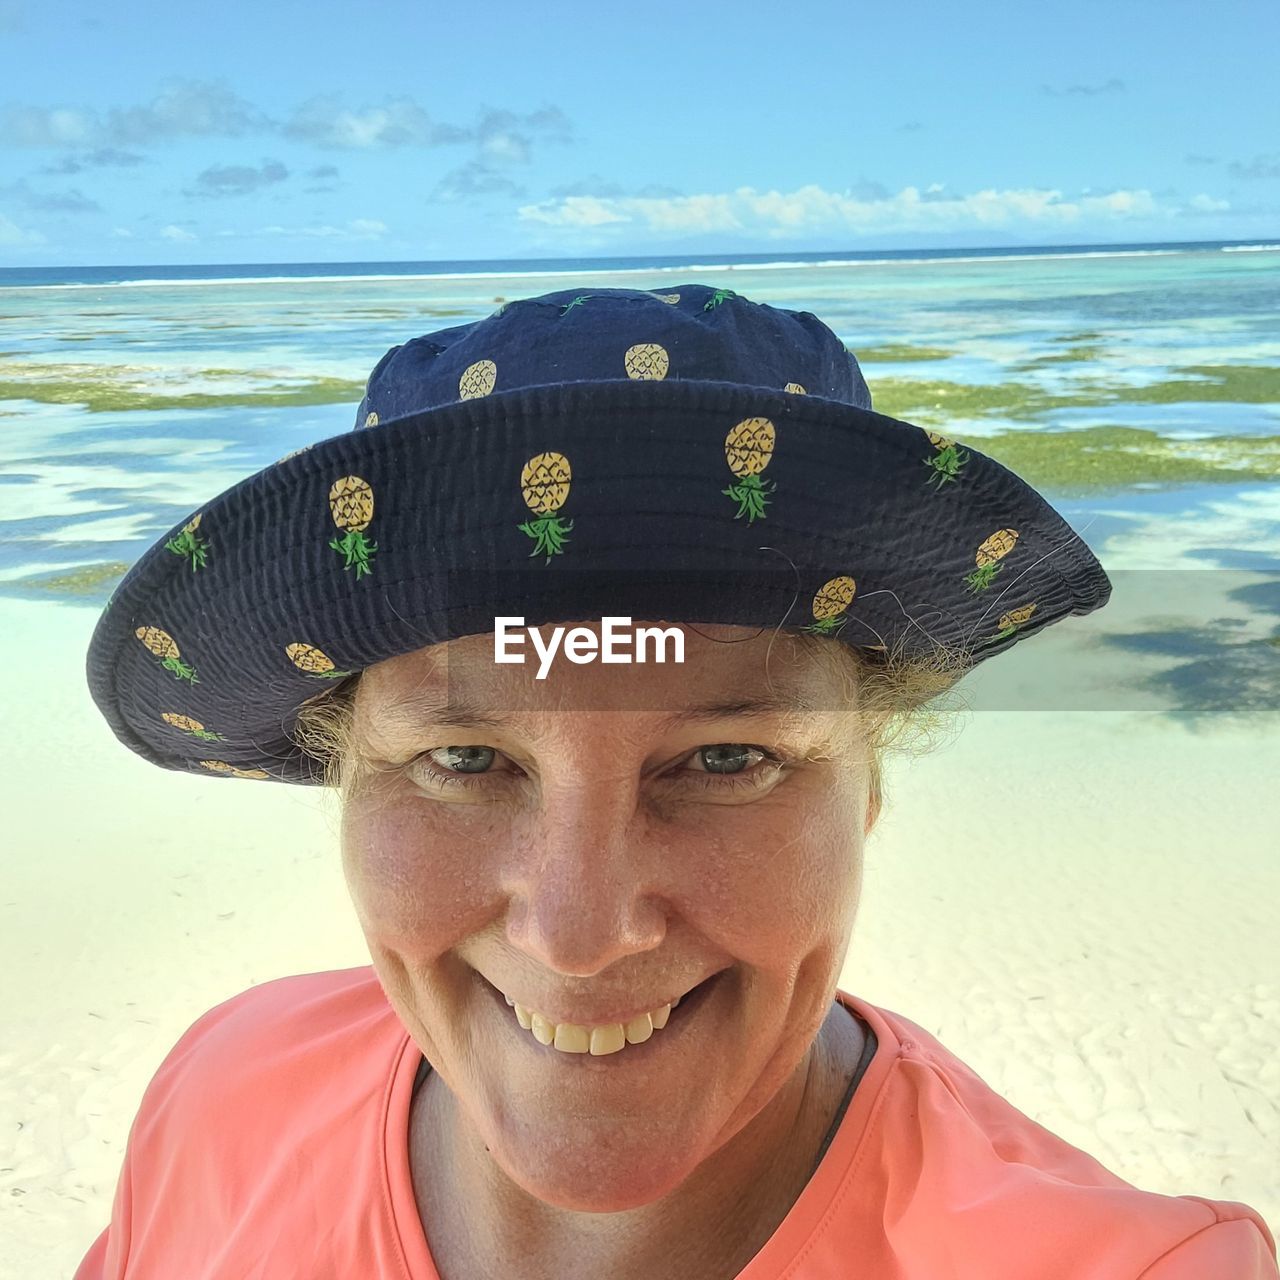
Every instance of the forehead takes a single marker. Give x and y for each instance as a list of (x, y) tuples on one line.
[(725, 670)]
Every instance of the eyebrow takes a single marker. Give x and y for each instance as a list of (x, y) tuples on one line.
[(457, 712)]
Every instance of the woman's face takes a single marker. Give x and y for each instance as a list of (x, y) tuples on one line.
[(528, 839)]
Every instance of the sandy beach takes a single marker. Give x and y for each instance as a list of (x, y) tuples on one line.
[(1075, 891), (1102, 953)]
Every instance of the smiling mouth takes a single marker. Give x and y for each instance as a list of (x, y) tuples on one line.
[(632, 1040)]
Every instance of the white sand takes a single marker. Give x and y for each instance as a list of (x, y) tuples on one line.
[(1080, 905)]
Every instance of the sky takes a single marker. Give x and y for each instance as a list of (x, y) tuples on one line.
[(326, 131)]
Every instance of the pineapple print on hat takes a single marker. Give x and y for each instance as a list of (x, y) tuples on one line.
[(1011, 621), (313, 661), (162, 644), (231, 771), (544, 485), (371, 419), (671, 298), (947, 462), (989, 555), (351, 504), (720, 295), (647, 360), (190, 543), (477, 380), (747, 449), (577, 302), (795, 388), (188, 725), (829, 605)]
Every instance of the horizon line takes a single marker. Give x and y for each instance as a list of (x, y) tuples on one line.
[(657, 257)]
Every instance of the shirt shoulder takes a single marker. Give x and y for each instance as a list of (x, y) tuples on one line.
[(271, 1108), (971, 1186), (263, 1042), (288, 1010)]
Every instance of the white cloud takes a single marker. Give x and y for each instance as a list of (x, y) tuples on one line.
[(11, 233), (186, 108), (401, 122), (238, 179), (475, 178), (506, 147), (502, 136), (1267, 166), (1087, 90), (211, 109), (355, 229), (596, 211), (122, 233), (814, 209), (70, 201), (1207, 204), (44, 127), (182, 109), (172, 232)]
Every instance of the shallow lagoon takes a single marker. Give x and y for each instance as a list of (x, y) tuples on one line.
[(1140, 394)]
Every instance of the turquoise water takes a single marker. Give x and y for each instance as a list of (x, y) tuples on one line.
[(124, 406)]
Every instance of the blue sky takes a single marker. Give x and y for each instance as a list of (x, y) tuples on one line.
[(147, 132)]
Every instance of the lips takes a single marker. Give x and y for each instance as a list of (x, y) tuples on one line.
[(692, 1000), (602, 1018), (681, 1016)]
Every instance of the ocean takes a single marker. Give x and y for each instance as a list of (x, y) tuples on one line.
[(1136, 386)]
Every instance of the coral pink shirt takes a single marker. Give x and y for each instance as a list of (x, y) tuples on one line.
[(272, 1143)]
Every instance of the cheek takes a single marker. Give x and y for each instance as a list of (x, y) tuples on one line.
[(412, 872), (777, 879)]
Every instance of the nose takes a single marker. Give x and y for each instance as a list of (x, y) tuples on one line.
[(586, 893)]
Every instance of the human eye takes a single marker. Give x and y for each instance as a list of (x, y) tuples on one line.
[(460, 766), (726, 765)]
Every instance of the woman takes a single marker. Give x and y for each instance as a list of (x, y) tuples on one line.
[(607, 896)]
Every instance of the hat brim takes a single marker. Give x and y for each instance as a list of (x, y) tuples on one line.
[(275, 592)]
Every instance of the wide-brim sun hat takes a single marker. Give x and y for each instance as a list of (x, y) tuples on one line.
[(677, 454)]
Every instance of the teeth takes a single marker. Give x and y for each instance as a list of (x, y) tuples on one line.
[(607, 1039), (569, 1037), (638, 1030)]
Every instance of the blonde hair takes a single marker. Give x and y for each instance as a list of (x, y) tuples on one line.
[(900, 701)]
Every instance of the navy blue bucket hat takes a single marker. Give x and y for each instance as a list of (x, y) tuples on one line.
[(678, 455)]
